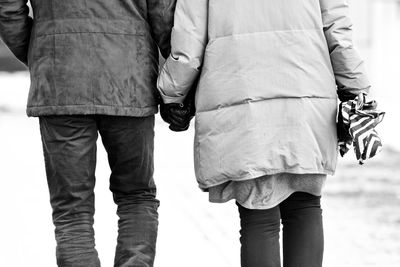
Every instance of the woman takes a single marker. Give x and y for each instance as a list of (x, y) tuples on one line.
[(266, 104)]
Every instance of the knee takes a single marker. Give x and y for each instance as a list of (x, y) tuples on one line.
[(144, 200)]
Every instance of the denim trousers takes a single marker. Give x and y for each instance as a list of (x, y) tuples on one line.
[(303, 238), (69, 145)]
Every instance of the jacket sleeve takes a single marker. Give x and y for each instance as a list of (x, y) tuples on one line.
[(348, 67), (161, 20), (15, 27), (188, 42)]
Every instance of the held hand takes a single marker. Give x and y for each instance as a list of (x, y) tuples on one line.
[(346, 96), (177, 115), (360, 99)]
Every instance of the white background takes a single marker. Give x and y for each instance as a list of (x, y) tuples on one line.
[(361, 204)]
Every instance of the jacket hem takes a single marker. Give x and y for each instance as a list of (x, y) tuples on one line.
[(263, 207), (205, 186), (91, 110)]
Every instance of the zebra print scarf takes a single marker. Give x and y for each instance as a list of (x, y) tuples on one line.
[(356, 126)]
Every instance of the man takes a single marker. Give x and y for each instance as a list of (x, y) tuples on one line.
[(93, 67)]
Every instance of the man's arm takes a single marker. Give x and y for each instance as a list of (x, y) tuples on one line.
[(348, 66), (15, 27), (188, 42), (161, 20)]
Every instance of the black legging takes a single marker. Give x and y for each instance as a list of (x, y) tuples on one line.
[(303, 238)]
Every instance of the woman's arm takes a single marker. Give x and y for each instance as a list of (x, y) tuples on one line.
[(188, 42), (15, 27), (347, 65)]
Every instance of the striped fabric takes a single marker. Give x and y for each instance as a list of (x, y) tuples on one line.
[(360, 121)]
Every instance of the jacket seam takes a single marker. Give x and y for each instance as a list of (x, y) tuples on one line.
[(261, 100), (80, 19), (262, 32), (91, 32)]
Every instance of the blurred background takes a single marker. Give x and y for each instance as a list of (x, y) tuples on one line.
[(361, 203)]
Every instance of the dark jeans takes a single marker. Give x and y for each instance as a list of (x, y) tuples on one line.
[(69, 144), (303, 238)]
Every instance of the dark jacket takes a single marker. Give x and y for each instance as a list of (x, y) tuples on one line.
[(89, 57)]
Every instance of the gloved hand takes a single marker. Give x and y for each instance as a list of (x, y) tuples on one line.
[(345, 96), (178, 116)]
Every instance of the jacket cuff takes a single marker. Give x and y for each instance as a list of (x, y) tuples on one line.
[(345, 95), (171, 99)]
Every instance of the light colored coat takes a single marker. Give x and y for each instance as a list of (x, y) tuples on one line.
[(270, 71)]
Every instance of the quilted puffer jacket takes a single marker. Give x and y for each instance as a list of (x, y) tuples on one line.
[(270, 72), (89, 57)]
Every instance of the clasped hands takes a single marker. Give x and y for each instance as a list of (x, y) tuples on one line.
[(177, 115)]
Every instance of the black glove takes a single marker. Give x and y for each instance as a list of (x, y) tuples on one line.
[(345, 96), (178, 116)]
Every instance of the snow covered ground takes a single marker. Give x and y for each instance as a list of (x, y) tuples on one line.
[(361, 204)]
